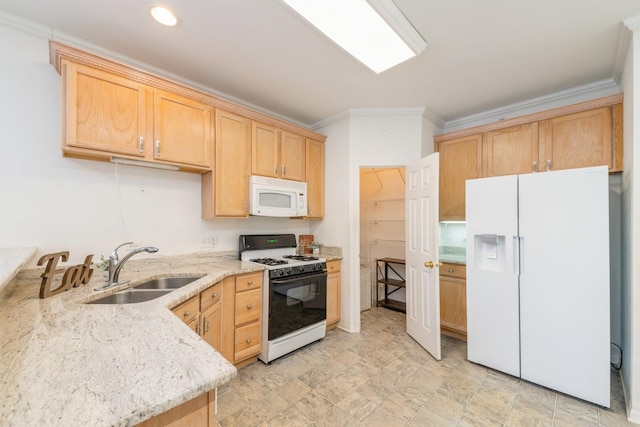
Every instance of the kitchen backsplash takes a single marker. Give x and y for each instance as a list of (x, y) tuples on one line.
[(453, 242)]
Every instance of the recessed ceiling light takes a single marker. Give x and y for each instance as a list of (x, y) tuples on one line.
[(163, 15), (375, 32)]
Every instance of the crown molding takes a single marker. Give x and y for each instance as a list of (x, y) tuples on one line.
[(582, 93)]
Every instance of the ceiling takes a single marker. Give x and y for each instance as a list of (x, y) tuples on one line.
[(481, 54)]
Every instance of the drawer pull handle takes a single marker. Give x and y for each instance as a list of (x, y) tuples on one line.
[(248, 340), (187, 313), (206, 325), (249, 307)]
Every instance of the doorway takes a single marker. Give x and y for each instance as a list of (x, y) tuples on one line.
[(382, 228)]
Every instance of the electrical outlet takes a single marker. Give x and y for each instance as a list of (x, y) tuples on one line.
[(209, 241)]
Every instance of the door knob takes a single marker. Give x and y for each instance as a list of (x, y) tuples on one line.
[(431, 264)]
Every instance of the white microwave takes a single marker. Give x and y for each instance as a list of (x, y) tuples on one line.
[(277, 197)]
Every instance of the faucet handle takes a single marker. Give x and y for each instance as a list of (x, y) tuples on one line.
[(114, 254)]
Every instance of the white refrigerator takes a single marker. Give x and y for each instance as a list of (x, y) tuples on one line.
[(538, 278)]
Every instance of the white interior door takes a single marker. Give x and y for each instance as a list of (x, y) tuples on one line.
[(422, 258)]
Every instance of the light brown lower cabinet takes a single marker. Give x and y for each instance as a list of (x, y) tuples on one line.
[(241, 340), (203, 314), (453, 300), (333, 293), (197, 412)]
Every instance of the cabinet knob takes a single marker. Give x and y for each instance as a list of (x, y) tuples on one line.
[(450, 270), (250, 282), (249, 307), (213, 295), (187, 313), (248, 340)]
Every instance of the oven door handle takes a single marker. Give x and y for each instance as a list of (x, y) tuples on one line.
[(297, 278)]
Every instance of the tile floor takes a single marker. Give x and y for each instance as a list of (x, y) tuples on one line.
[(381, 377)]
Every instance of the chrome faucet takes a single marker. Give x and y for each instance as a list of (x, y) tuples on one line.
[(116, 264)]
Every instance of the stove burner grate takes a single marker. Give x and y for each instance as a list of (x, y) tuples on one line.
[(301, 257), (269, 261)]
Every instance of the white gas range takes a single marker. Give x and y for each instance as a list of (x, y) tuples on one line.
[(294, 293)]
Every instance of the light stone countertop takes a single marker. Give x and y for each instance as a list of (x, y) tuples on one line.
[(67, 363), (11, 261)]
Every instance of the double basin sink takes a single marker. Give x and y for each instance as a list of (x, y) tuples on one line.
[(147, 290)]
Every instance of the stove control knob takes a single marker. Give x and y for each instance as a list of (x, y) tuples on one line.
[(301, 268), (281, 272)]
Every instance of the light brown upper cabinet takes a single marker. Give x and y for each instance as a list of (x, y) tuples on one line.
[(510, 151), (580, 135), (181, 129), (576, 140), (103, 111), (460, 159), (225, 191), (109, 115), (314, 154), (277, 153), (292, 156)]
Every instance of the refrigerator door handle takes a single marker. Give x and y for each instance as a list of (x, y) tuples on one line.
[(517, 259)]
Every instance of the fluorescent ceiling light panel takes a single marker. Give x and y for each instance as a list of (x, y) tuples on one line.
[(364, 29)]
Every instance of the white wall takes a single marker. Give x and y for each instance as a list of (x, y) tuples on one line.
[(630, 262), (57, 203), (362, 138)]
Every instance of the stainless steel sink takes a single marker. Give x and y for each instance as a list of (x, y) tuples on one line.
[(130, 296), (173, 282), (147, 290)]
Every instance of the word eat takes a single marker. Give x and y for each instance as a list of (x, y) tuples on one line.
[(73, 276)]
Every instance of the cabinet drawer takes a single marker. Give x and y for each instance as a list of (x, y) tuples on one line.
[(248, 282), (247, 341), (210, 296), (248, 306), (453, 270), (333, 266), (188, 310)]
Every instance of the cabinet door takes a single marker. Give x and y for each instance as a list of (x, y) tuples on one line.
[(248, 306), (103, 111), (211, 324), (247, 341), (264, 150), (333, 298), (225, 191), (189, 310), (577, 140), (292, 156), (510, 151), (460, 159), (181, 129), (314, 168), (453, 305)]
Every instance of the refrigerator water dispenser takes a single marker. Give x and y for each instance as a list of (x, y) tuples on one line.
[(490, 252)]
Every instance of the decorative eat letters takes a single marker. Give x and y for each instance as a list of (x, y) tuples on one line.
[(72, 278)]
